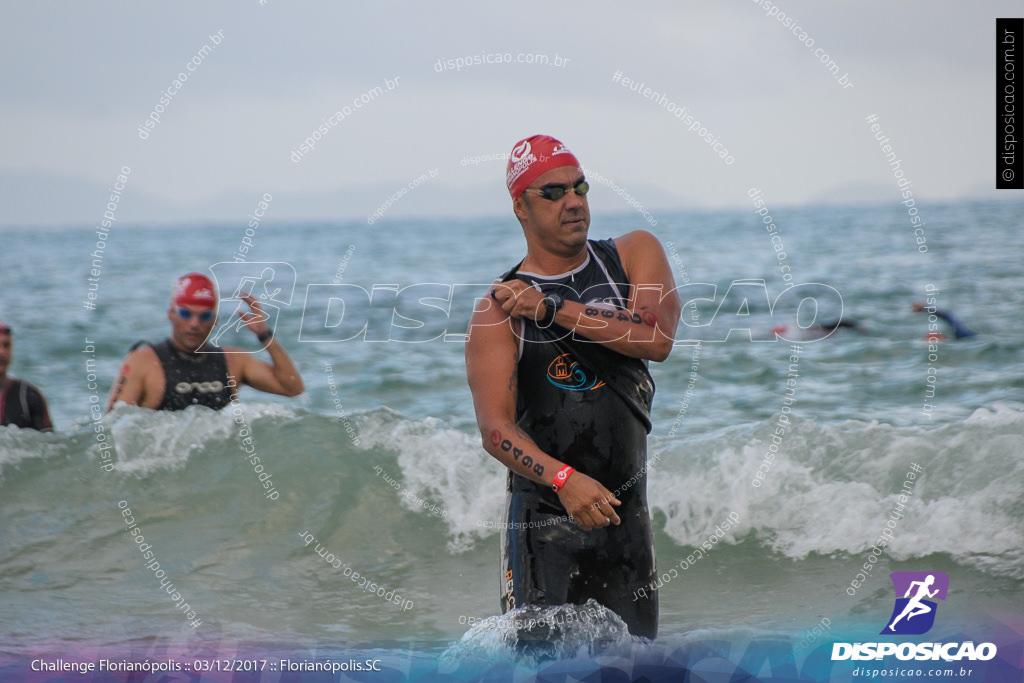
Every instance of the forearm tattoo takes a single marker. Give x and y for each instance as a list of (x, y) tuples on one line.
[(526, 462), (624, 316)]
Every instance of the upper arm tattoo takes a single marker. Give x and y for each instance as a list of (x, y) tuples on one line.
[(513, 379)]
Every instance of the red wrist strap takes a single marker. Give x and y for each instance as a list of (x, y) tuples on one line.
[(561, 477)]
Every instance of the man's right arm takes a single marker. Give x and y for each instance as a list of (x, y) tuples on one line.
[(492, 354), (130, 385)]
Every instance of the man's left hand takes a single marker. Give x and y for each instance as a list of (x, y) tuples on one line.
[(519, 299), (588, 502), (256, 319)]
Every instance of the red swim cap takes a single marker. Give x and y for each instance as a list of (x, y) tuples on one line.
[(194, 289), (532, 157)]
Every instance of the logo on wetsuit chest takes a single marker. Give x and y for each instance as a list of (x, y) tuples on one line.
[(214, 387), (566, 373)]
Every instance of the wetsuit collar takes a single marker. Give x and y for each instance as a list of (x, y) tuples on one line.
[(561, 276), (198, 357)]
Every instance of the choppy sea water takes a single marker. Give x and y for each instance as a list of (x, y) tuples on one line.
[(379, 461)]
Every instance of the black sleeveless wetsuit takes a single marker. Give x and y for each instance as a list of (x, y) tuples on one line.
[(23, 405), (589, 407), (199, 379)]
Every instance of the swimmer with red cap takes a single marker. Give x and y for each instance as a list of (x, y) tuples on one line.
[(557, 363), (959, 330), (184, 370)]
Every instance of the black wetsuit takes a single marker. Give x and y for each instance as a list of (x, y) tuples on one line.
[(589, 407), (23, 405), (833, 325), (960, 331), (193, 379)]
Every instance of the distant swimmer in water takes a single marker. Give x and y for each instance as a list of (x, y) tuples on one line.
[(958, 329), (557, 364), (21, 403), (833, 325), (818, 330), (183, 370)]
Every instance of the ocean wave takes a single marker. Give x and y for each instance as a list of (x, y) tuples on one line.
[(956, 489), (827, 489)]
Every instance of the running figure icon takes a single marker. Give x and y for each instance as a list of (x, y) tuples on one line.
[(243, 292), (916, 595), (915, 606)]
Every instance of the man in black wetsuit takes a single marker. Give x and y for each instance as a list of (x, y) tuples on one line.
[(958, 329), (557, 363), (21, 403), (183, 370)]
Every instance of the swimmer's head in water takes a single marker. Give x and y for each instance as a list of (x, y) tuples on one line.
[(192, 313), (194, 289), (533, 157)]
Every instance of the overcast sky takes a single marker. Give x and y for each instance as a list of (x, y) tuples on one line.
[(81, 78)]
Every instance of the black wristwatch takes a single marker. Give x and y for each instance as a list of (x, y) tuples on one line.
[(264, 337), (552, 303)]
